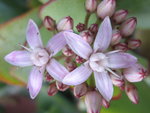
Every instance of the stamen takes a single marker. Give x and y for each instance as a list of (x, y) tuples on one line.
[(25, 48), (113, 72)]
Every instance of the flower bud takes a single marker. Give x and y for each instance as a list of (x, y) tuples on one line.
[(49, 78), (93, 28), (80, 90), (79, 60), (120, 16), (117, 81), (128, 26), (81, 27), (70, 66), (52, 90), (87, 36), (49, 23), (121, 46), (61, 86), (91, 5), (105, 103), (134, 43), (116, 37), (65, 24), (67, 51), (135, 73), (93, 101), (106, 8), (132, 93)]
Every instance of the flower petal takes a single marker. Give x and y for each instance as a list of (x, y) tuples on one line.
[(56, 70), (78, 76), (78, 45), (19, 58), (121, 60), (35, 82), (104, 36), (104, 84), (56, 43), (33, 35)]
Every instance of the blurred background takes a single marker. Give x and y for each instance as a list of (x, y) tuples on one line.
[(14, 16)]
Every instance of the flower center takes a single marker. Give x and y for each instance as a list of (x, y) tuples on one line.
[(98, 62), (39, 57)]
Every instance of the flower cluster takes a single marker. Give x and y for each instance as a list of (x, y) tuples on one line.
[(96, 59)]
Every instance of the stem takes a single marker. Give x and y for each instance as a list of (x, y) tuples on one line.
[(87, 17), (91, 81)]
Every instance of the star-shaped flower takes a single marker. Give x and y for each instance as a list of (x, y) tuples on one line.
[(97, 60), (39, 57)]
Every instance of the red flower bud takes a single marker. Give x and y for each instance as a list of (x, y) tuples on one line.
[(79, 59), (52, 90), (49, 78), (128, 27), (105, 103), (134, 43), (80, 90), (106, 8), (121, 46), (65, 24), (91, 5), (49, 23), (80, 27), (87, 36), (61, 86), (132, 93), (94, 28), (67, 51), (71, 66), (120, 16), (116, 37)]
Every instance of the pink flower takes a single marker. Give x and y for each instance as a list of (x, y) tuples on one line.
[(39, 57), (97, 60)]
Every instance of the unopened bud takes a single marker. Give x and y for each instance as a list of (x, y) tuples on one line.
[(49, 23), (120, 15), (87, 36), (117, 80), (93, 101), (128, 27), (61, 86), (70, 66), (134, 43), (105, 103), (81, 27), (106, 8), (135, 73), (49, 78), (121, 46), (65, 24), (91, 5), (67, 51), (94, 28), (132, 93), (52, 90), (116, 37), (79, 60), (80, 90)]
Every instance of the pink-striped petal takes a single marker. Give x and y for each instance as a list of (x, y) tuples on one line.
[(56, 43), (19, 58), (104, 84), (78, 76), (35, 82), (121, 60), (33, 35), (104, 36), (56, 70), (78, 45)]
